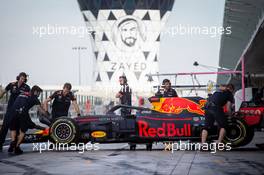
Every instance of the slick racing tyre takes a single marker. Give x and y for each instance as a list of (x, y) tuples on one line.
[(249, 137), (64, 130), (238, 133)]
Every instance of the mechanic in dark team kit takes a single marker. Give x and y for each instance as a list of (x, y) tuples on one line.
[(15, 88), (124, 95), (61, 102), (214, 111), (168, 90), (21, 120)]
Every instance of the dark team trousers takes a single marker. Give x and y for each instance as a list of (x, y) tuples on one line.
[(21, 121), (6, 122), (213, 114)]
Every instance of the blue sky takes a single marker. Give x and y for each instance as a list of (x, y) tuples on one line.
[(50, 60)]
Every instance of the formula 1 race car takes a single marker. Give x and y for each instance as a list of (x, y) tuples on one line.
[(169, 119)]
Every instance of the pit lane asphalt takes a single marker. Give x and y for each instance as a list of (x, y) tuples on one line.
[(117, 159)]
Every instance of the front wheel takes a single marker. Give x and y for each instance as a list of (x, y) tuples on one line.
[(64, 130), (238, 133)]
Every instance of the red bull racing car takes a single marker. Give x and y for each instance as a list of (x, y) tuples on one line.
[(169, 119)]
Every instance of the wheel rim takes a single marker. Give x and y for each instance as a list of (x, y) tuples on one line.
[(236, 132), (63, 131)]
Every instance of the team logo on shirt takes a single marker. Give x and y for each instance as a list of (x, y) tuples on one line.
[(14, 89)]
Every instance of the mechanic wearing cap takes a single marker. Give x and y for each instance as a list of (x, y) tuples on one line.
[(61, 102), (168, 90), (21, 119), (214, 111), (124, 95), (15, 88)]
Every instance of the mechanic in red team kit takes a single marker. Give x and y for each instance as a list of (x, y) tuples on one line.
[(61, 102), (214, 111), (168, 90), (124, 95), (15, 88), (21, 119)]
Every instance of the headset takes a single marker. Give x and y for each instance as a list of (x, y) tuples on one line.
[(165, 81), (22, 74)]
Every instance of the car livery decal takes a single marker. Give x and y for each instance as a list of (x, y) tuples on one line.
[(152, 127), (98, 134), (177, 105)]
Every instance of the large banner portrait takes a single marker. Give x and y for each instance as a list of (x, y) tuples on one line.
[(126, 39)]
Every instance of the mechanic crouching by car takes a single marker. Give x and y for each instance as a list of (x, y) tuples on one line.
[(15, 88), (168, 90), (61, 102), (124, 95), (20, 117), (214, 111)]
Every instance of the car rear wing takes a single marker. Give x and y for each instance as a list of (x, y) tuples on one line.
[(226, 72)]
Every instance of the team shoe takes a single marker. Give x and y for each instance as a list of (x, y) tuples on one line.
[(18, 151), (11, 147)]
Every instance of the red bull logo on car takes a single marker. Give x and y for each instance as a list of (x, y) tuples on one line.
[(178, 105), (166, 130)]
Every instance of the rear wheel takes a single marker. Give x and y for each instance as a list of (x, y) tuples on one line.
[(238, 133), (64, 130), (249, 137)]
